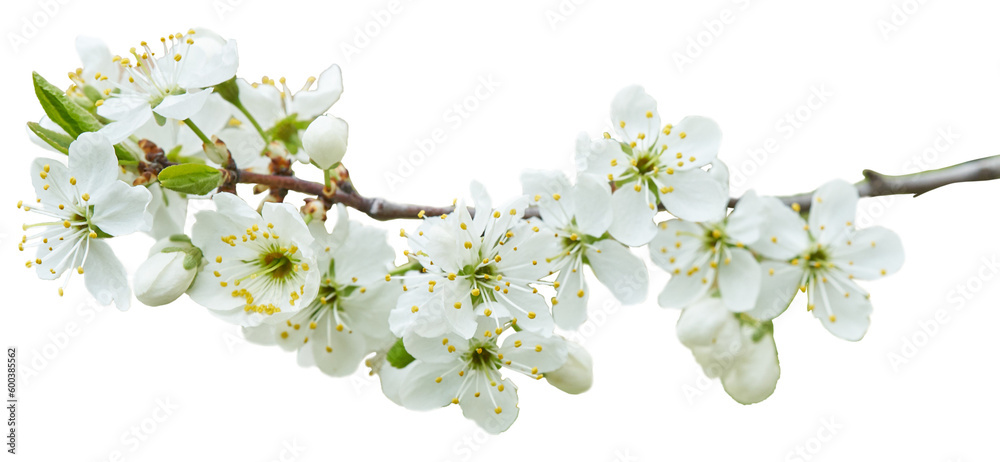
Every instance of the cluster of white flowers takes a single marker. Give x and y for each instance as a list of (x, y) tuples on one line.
[(484, 290)]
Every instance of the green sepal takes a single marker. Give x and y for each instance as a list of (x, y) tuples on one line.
[(398, 357)]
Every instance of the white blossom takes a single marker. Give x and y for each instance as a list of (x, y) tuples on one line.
[(84, 203), (482, 266), (261, 267), (652, 164), (579, 215), (348, 319), (171, 86), (168, 272), (823, 258), (450, 369)]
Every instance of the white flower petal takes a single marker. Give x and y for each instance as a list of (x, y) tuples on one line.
[(778, 283), (600, 157), (841, 306), (495, 409), (570, 308), (533, 354), (633, 217), (688, 286), (739, 280), (105, 276), (783, 234), (869, 253), (311, 103), (444, 348), (93, 163), (833, 208), (208, 65), (421, 388), (542, 187), (121, 209), (696, 195), (184, 106), (676, 245), (592, 195), (744, 223), (693, 137), (623, 273), (633, 113), (336, 352)]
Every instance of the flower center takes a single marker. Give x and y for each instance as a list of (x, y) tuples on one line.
[(482, 355)]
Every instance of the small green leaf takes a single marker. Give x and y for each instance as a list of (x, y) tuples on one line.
[(190, 178), (398, 357), (65, 113), (59, 141), (180, 238)]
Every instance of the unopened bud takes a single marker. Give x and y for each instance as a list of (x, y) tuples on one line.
[(577, 374), (168, 272), (325, 140)]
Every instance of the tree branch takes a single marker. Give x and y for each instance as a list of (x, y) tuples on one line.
[(875, 184)]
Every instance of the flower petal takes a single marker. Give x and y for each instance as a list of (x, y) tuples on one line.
[(739, 280), (869, 253), (743, 225), (600, 157), (623, 273), (93, 163), (569, 310), (430, 385), (184, 106), (688, 286), (495, 409), (105, 276), (592, 196), (543, 187), (841, 306), (695, 195), (834, 206), (311, 103), (696, 138), (633, 217), (633, 113), (778, 283), (677, 244), (783, 234), (533, 354), (121, 209)]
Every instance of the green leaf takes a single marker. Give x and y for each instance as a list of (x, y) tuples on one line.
[(59, 141), (190, 178), (65, 113), (398, 357)]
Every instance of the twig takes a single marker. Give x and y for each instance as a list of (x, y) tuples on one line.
[(874, 184)]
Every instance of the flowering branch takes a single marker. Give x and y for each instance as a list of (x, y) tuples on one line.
[(875, 184)]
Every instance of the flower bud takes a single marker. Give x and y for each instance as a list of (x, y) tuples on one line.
[(577, 374), (168, 272), (325, 140)]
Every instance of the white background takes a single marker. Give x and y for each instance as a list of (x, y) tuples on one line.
[(891, 91)]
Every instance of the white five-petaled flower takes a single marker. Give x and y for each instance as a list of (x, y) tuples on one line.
[(270, 105), (653, 163), (84, 203), (170, 86), (475, 266), (349, 317), (450, 369), (732, 347), (261, 267), (823, 257), (579, 215), (711, 254)]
